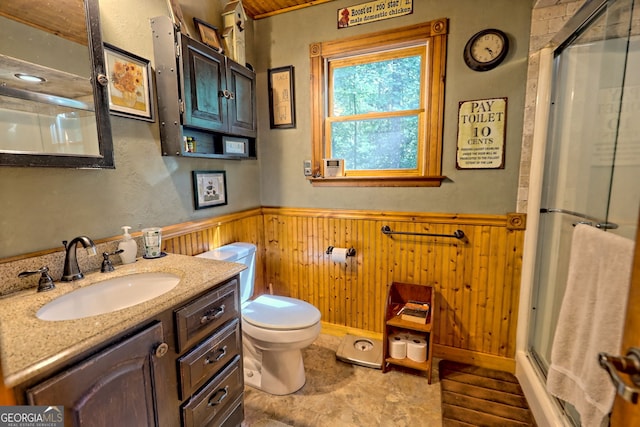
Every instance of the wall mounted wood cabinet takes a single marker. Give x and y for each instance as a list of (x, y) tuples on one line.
[(206, 101)]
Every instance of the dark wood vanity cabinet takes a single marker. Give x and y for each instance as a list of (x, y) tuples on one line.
[(181, 368), (210, 363), (206, 101), (113, 388)]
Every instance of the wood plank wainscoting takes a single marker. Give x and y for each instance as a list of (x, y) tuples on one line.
[(477, 282), (196, 237)]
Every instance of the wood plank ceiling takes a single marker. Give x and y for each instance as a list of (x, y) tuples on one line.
[(258, 9), (66, 17)]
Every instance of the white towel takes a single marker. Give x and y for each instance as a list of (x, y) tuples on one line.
[(591, 320)]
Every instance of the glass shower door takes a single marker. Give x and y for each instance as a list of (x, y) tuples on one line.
[(582, 158)]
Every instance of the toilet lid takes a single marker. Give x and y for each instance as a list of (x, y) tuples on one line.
[(277, 312)]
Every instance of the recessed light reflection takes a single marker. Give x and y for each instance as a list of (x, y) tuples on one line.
[(30, 78)]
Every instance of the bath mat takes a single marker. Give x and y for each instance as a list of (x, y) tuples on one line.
[(474, 396)]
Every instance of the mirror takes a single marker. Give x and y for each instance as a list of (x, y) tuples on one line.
[(63, 119)]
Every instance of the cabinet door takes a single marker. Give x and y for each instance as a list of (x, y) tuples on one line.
[(112, 388), (205, 104), (241, 82)]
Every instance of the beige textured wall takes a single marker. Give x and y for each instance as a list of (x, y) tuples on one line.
[(43, 206), (40, 207), (284, 40)]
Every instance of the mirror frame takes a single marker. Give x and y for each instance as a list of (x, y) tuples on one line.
[(99, 82)]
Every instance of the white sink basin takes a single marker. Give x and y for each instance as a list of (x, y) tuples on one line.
[(108, 296)]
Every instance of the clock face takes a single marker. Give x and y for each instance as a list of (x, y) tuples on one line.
[(486, 50)]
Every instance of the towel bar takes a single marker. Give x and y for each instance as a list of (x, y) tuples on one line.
[(603, 225), (458, 234)]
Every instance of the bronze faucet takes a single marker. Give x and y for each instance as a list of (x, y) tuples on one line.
[(71, 269)]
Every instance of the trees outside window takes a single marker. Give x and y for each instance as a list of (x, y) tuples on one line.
[(377, 102)]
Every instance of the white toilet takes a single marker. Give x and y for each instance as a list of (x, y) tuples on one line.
[(274, 328)]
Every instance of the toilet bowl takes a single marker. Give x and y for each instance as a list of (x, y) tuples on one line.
[(274, 328)]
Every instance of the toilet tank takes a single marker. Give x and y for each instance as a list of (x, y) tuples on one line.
[(240, 252)]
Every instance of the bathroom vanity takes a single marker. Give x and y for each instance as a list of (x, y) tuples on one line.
[(173, 360)]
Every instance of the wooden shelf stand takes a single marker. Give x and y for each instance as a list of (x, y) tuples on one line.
[(398, 295)]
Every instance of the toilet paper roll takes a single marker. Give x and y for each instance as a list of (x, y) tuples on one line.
[(417, 349), (398, 346), (339, 255)]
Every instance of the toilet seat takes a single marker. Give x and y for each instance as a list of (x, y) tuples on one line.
[(280, 313)]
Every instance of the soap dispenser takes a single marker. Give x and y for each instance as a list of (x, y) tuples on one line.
[(128, 246)]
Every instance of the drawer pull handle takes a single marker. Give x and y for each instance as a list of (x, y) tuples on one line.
[(221, 352), (212, 315), (221, 394)]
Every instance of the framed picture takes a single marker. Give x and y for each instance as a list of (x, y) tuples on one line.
[(282, 113), (129, 89), (235, 146), (209, 189), (208, 34)]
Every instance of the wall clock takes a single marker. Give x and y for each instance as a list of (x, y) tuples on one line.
[(486, 49)]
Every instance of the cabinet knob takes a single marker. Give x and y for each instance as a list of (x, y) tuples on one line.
[(102, 79), (161, 349)]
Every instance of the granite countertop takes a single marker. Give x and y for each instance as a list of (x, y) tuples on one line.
[(29, 346)]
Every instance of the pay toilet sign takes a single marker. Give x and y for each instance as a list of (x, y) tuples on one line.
[(481, 129)]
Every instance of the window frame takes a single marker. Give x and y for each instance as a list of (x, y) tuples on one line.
[(433, 34)]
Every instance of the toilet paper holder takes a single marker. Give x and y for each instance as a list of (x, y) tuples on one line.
[(350, 252)]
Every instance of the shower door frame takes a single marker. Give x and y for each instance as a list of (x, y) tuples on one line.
[(545, 408)]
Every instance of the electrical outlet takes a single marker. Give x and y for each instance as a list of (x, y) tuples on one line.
[(307, 168)]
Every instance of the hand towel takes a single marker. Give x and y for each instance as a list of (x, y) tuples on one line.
[(591, 320)]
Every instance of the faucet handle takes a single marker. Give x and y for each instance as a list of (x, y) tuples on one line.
[(45, 283), (106, 262)]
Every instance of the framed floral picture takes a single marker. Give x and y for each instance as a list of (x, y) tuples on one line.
[(129, 75), (209, 189)]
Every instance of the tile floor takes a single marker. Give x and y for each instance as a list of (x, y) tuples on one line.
[(345, 395)]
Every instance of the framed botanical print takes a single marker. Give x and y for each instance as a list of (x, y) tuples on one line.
[(130, 93)]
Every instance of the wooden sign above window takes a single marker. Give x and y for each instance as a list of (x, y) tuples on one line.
[(372, 11)]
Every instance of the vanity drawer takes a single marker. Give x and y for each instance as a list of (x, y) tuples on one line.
[(199, 318), (216, 400), (200, 364)]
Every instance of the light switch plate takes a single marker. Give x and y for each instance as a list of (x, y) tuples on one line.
[(307, 168)]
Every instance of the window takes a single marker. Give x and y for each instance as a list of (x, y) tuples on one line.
[(377, 102)]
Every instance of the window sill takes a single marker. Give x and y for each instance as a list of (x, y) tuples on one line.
[(360, 181)]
